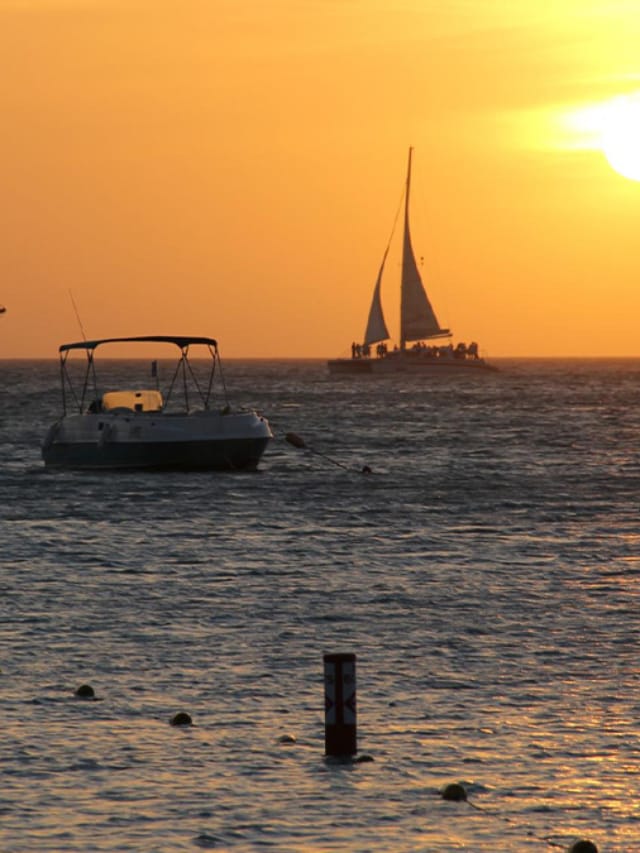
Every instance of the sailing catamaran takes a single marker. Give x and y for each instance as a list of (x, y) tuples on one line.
[(418, 323)]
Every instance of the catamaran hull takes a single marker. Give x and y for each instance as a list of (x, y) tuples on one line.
[(96, 442), (391, 364)]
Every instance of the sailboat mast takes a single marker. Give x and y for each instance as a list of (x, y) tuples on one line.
[(406, 248)]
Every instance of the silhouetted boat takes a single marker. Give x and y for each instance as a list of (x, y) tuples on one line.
[(139, 428), (418, 323)]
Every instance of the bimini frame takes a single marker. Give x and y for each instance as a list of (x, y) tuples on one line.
[(183, 369)]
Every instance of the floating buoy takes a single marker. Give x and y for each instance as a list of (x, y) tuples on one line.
[(295, 440), (454, 792), (363, 759), (181, 719), (287, 739), (85, 691), (584, 846)]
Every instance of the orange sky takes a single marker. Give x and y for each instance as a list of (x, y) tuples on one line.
[(232, 169)]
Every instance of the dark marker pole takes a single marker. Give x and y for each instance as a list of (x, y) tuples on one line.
[(340, 730)]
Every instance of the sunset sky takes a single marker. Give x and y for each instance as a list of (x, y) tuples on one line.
[(232, 168)]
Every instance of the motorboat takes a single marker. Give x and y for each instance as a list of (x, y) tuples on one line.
[(184, 427)]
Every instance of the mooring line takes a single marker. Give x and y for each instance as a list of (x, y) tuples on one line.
[(456, 792)]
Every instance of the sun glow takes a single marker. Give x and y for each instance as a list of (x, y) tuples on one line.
[(612, 127), (620, 138)]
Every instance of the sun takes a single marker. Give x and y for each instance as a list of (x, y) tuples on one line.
[(620, 135)]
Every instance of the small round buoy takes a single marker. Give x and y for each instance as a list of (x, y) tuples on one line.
[(85, 691), (287, 739), (366, 469), (454, 792), (584, 846), (295, 440), (181, 719)]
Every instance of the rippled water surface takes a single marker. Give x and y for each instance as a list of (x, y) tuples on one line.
[(485, 574)]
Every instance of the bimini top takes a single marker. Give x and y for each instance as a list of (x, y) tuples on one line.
[(179, 340)]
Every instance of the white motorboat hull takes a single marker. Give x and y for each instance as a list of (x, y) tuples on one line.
[(201, 441)]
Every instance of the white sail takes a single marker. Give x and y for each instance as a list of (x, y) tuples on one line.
[(376, 326), (417, 318)]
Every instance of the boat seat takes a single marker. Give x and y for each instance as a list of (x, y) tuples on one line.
[(146, 400)]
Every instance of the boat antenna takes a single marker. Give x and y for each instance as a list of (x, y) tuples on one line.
[(75, 308)]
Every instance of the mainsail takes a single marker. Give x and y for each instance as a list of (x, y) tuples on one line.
[(417, 318)]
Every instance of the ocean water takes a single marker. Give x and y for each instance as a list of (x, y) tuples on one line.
[(485, 574)]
